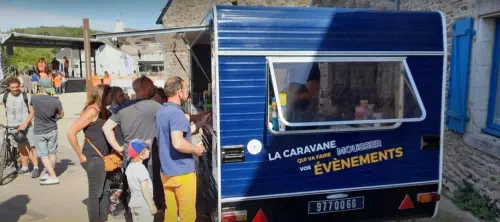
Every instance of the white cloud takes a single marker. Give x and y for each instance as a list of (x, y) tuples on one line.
[(14, 18)]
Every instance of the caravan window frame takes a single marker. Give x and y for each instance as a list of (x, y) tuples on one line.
[(271, 77)]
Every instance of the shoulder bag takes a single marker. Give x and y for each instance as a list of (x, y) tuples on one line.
[(112, 161)]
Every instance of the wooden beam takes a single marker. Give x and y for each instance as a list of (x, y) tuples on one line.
[(88, 61)]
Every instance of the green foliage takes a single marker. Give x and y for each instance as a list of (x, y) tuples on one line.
[(76, 32), (467, 198), (27, 57)]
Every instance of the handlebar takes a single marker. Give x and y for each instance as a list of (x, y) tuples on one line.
[(8, 127)]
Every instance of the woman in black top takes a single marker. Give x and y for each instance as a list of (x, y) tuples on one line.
[(91, 121)]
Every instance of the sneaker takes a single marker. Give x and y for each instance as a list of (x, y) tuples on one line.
[(50, 181), (44, 177), (23, 171), (35, 173)]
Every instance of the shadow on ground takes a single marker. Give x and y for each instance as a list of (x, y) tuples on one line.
[(63, 165), (13, 208)]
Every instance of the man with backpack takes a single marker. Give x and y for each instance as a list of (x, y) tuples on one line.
[(20, 112)]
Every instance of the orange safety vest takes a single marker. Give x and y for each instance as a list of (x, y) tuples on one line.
[(96, 80), (57, 81), (106, 81)]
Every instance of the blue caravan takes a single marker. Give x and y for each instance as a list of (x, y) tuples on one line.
[(319, 114)]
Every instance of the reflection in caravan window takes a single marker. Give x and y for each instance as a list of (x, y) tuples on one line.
[(322, 94)]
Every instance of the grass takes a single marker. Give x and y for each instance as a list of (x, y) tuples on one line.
[(469, 199)]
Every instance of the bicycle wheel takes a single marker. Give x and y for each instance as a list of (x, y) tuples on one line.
[(3, 158)]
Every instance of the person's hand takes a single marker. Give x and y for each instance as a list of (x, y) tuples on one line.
[(22, 127), (199, 150), (82, 158), (154, 210)]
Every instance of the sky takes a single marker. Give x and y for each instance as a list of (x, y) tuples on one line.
[(137, 14)]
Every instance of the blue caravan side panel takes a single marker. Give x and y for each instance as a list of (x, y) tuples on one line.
[(326, 29), (243, 94), (243, 118)]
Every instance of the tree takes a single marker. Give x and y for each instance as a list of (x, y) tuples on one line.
[(24, 58), (27, 57)]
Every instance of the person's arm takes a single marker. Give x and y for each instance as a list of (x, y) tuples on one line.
[(27, 120), (147, 196), (60, 111), (184, 146), (192, 126), (83, 121), (201, 119), (108, 130)]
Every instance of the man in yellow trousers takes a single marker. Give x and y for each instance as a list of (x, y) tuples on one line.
[(176, 154)]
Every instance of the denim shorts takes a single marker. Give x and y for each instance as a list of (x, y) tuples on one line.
[(46, 143)]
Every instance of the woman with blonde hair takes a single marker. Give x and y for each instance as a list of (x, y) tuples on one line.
[(91, 121)]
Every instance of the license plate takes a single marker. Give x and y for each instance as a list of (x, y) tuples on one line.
[(337, 205)]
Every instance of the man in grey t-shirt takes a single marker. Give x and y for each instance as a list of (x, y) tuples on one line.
[(48, 110), (138, 121), (19, 114)]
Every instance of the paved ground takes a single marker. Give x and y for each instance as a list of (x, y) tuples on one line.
[(24, 199)]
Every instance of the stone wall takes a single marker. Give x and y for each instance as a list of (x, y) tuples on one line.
[(464, 163), (453, 9), (191, 12), (477, 160), (474, 157)]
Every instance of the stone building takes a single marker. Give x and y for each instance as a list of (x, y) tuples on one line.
[(471, 155)]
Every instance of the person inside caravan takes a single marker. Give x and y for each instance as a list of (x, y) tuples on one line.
[(302, 87)]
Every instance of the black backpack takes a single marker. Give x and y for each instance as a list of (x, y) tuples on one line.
[(25, 98)]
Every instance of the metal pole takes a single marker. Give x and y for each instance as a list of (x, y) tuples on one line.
[(396, 4)]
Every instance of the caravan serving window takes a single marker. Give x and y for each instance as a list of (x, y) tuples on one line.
[(314, 93)]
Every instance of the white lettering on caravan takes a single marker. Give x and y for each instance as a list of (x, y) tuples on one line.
[(300, 151), (326, 145), (276, 156), (286, 153), (359, 147), (308, 149)]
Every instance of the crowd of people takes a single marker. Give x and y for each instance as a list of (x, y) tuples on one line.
[(30, 78), (35, 117), (30, 107), (152, 136)]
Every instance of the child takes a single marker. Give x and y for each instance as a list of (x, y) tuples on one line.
[(57, 83), (141, 187)]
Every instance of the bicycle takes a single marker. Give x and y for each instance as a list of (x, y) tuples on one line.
[(8, 154)]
